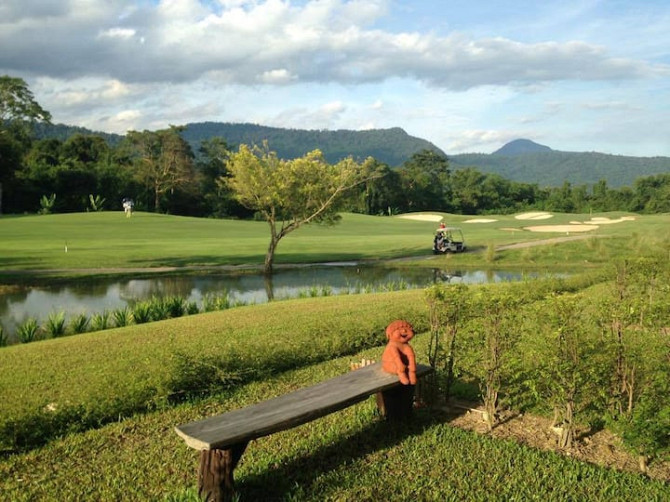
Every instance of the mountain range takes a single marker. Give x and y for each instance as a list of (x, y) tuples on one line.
[(520, 160)]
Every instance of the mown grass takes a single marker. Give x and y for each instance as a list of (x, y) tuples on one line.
[(108, 240), (74, 383), (349, 455), (103, 405)]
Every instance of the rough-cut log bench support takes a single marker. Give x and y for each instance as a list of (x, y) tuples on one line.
[(222, 439)]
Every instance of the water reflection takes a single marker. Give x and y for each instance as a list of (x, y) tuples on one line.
[(83, 297)]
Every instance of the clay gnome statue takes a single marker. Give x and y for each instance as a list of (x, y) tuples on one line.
[(398, 356)]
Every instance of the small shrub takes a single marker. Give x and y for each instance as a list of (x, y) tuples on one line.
[(490, 253), (123, 317), (142, 312), (28, 331), (175, 306), (194, 376), (192, 308), (55, 325), (213, 302), (79, 324), (3, 336), (47, 204), (100, 321), (96, 203)]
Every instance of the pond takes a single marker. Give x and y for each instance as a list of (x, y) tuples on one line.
[(91, 297)]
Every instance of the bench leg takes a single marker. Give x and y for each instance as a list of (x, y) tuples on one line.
[(215, 474), (396, 403)]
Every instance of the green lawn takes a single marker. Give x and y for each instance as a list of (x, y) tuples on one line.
[(108, 240), (91, 417), (348, 455)]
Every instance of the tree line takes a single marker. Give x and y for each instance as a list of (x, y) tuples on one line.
[(161, 172)]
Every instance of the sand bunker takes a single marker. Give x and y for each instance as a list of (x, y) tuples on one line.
[(422, 217), (599, 220), (539, 215), (479, 220), (562, 228)]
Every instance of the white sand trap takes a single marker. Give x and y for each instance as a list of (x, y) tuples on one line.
[(422, 217), (540, 215), (562, 228), (599, 220), (479, 220)]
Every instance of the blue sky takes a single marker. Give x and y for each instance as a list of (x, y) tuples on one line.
[(468, 76)]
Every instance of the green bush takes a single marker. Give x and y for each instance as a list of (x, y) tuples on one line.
[(28, 331), (55, 325), (100, 321), (3, 336), (142, 312), (79, 324), (175, 306), (123, 317), (213, 302)]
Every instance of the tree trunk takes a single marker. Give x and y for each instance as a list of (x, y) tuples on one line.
[(270, 255)]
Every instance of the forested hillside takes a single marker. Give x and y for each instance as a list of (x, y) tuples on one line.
[(553, 168), (389, 146), (519, 160)]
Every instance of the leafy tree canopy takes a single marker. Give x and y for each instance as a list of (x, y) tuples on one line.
[(290, 193)]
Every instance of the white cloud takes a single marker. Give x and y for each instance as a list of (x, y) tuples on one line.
[(124, 33), (581, 70), (280, 76)]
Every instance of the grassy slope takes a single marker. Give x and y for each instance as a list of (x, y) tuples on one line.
[(98, 240), (95, 376), (349, 455), (346, 455)]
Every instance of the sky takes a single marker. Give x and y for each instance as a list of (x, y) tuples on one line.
[(469, 76)]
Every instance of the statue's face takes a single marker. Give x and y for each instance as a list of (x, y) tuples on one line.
[(400, 331)]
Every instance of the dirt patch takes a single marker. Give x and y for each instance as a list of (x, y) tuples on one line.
[(600, 447)]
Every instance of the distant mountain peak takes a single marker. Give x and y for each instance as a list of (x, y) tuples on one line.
[(519, 146)]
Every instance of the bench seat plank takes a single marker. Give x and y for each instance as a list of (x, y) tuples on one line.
[(290, 410)]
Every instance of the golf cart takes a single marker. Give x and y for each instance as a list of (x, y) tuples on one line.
[(448, 240)]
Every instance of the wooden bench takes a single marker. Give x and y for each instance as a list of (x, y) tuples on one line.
[(222, 439)]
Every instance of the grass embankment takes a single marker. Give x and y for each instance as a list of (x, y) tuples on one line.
[(107, 240), (349, 455), (78, 382)]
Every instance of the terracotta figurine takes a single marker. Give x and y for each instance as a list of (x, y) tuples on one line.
[(398, 356)]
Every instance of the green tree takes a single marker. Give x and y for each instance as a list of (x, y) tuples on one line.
[(163, 162), (218, 199), (290, 193), (18, 110), (425, 182)]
